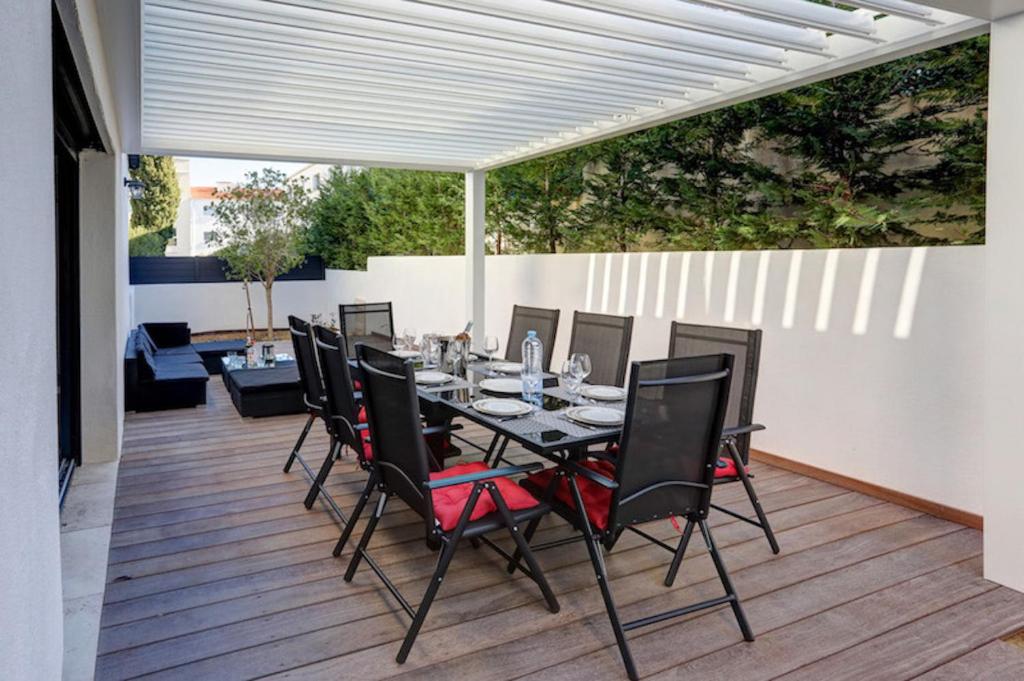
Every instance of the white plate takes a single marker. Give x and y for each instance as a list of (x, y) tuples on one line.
[(502, 407), (507, 367), (510, 386), (406, 354), (607, 393), (433, 378), (596, 416)]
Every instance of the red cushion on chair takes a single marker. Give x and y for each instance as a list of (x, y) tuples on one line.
[(724, 468), (356, 384), (449, 502), (365, 434), (596, 498)]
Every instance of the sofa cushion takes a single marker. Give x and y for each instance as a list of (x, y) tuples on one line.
[(268, 379), (180, 371), (219, 347)]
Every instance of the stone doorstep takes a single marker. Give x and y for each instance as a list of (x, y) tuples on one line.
[(85, 544)]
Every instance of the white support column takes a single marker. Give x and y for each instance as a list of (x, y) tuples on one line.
[(475, 284), (1004, 312), (103, 234)]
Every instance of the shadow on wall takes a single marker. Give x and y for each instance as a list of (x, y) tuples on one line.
[(687, 285)]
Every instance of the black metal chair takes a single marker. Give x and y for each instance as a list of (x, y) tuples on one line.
[(541, 320), (348, 423), (368, 323), (665, 468), (697, 339), (312, 390), (464, 502), (606, 338)]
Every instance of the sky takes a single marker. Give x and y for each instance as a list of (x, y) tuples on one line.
[(206, 172)]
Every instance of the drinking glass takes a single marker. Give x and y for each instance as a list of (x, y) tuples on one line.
[(409, 336), (570, 377), (398, 342), (491, 345), (583, 366)]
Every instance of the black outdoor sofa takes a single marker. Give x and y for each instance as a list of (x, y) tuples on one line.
[(163, 369)]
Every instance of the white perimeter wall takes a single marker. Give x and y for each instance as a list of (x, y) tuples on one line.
[(31, 631), (871, 358)]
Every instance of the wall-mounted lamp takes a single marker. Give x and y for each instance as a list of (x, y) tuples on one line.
[(136, 188)]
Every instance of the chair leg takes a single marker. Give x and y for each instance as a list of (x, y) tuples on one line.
[(490, 449), (594, 549), (443, 561), (754, 501), (364, 541), (723, 575), (499, 453), (531, 528), (298, 443), (523, 548), (677, 559), (321, 475), (371, 482)]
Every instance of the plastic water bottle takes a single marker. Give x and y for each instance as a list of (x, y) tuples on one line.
[(533, 356)]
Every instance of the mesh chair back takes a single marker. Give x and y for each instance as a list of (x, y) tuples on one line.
[(305, 358), (392, 412), (670, 443), (543, 321), (341, 403), (606, 338), (688, 340), (368, 323)]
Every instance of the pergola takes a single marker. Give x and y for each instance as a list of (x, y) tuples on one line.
[(471, 85)]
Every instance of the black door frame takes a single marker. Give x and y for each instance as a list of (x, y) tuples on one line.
[(74, 129)]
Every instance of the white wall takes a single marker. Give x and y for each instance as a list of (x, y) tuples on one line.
[(1004, 333), (31, 632), (220, 307), (871, 364)]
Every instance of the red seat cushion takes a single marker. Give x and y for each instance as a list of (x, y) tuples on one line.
[(365, 434), (596, 498), (449, 502), (724, 468)]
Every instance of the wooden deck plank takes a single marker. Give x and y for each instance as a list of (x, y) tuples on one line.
[(996, 661), (909, 650), (217, 571)]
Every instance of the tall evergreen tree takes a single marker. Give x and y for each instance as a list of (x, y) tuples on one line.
[(153, 216)]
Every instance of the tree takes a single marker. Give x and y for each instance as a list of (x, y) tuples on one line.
[(710, 176), (415, 212), (153, 216), (623, 200), (539, 200), (264, 221), (339, 226)]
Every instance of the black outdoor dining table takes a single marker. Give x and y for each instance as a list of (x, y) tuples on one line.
[(546, 431)]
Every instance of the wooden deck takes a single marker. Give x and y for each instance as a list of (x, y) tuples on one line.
[(217, 571)]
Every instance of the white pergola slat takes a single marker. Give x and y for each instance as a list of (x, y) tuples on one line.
[(475, 84)]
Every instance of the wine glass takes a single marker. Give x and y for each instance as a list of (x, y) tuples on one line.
[(583, 366), (569, 375), (491, 345)]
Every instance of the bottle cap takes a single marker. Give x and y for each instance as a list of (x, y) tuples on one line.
[(531, 334)]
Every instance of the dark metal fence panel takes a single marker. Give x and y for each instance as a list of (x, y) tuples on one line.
[(206, 270)]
